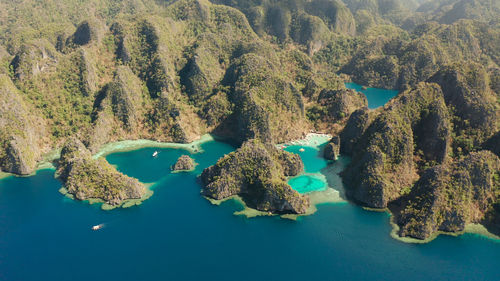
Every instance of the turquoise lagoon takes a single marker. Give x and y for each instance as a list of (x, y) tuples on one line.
[(310, 151), (376, 97), (179, 235), (307, 183)]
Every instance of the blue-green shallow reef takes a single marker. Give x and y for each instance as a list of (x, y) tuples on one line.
[(312, 179), (376, 97), (307, 183), (178, 235)]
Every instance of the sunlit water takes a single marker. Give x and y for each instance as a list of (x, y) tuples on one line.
[(376, 97), (179, 235)]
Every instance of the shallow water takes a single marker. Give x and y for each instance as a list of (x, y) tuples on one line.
[(312, 179), (307, 183), (179, 235), (376, 97)]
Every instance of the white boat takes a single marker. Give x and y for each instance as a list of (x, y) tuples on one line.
[(97, 227), (302, 150), (155, 153)]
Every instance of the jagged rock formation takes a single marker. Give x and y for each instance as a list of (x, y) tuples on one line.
[(417, 155), (88, 178), (33, 59), (21, 131), (466, 89), (118, 104), (184, 163), (396, 63), (483, 10), (383, 160), (447, 197), (341, 103), (256, 172), (263, 70), (309, 23), (266, 106), (332, 149), (356, 125), (86, 32)]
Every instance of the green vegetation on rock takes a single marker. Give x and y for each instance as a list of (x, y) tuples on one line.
[(257, 173), (259, 73), (88, 178)]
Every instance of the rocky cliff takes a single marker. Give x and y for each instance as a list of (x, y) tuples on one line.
[(447, 197), (393, 62), (384, 158), (418, 155), (184, 163), (89, 178), (21, 131), (256, 172)]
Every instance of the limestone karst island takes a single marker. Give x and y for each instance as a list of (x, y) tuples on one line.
[(249, 140)]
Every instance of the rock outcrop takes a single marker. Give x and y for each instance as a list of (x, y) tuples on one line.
[(393, 63), (356, 125), (340, 104), (86, 32), (332, 149), (447, 197), (33, 59), (493, 144), (256, 172), (466, 90), (204, 70), (21, 131), (416, 156), (89, 178), (265, 103), (184, 163), (383, 159)]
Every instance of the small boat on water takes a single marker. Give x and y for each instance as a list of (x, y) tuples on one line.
[(302, 150), (155, 153), (97, 227)]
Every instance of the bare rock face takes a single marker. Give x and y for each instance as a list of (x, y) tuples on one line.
[(88, 178), (332, 149), (256, 172), (184, 163)]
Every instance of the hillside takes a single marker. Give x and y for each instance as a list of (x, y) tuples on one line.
[(260, 73)]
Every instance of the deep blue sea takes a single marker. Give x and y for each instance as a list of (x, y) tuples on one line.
[(179, 235), (376, 97)]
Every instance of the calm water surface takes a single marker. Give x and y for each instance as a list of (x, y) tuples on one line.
[(178, 235), (376, 97)]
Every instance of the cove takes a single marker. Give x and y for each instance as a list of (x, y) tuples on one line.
[(376, 97), (310, 151), (179, 235), (307, 183)]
